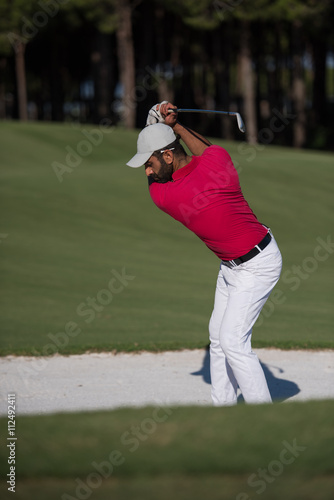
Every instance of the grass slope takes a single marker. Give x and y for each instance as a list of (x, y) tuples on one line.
[(227, 453), (62, 242)]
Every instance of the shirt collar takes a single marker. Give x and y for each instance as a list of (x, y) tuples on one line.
[(187, 169)]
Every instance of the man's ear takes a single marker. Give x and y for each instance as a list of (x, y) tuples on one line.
[(168, 156)]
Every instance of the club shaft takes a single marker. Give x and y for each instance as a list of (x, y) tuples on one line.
[(241, 124), (185, 110)]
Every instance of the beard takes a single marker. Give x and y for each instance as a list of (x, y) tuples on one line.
[(165, 173)]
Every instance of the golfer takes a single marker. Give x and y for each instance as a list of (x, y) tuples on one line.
[(203, 193)]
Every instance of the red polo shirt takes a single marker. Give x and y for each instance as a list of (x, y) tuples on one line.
[(206, 197)]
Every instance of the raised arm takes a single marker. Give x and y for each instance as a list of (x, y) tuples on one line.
[(194, 141)]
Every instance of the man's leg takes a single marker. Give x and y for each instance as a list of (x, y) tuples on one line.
[(249, 286), (223, 383)]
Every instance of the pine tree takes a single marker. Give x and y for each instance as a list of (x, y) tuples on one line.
[(20, 21)]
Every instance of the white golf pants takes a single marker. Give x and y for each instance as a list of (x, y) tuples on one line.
[(241, 293)]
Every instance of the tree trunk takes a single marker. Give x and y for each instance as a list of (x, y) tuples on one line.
[(21, 80), (165, 91), (247, 83), (126, 61), (221, 65), (319, 83), (277, 88), (175, 58), (56, 84), (3, 63), (185, 92), (102, 73), (298, 87)]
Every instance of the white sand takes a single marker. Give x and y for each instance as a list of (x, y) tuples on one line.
[(106, 380)]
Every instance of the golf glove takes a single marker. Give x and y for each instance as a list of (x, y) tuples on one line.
[(154, 115)]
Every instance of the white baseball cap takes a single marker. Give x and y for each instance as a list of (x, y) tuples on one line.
[(151, 139)]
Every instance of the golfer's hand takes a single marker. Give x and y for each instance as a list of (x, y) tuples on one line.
[(154, 115), (170, 118)]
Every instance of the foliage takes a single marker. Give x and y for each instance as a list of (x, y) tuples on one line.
[(16, 22), (200, 14), (192, 47), (101, 13)]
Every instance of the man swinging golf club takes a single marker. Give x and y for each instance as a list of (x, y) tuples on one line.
[(203, 193)]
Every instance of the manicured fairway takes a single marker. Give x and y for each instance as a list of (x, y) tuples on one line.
[(182, 453), (91, 263), (178, 487)]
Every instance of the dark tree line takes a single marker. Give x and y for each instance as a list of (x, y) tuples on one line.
[(273, 61)]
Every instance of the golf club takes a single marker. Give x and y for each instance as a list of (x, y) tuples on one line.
[(241, 124)]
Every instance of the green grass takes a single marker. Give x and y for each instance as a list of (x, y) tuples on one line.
[(180, 452), (64, 239), (178, 487)]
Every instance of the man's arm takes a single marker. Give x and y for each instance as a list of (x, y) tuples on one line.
[(194, 141)]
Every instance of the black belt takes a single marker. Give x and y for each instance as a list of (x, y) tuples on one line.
[(248, 256)]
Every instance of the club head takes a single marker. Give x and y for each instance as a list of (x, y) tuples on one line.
[(241, 124)]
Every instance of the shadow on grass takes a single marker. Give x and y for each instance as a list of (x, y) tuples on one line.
[(280, 389)]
